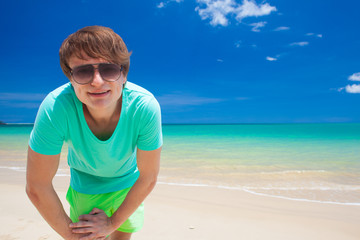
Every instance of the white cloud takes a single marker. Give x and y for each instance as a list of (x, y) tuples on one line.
[(313, 34), (165, 3), (240, 43), (271, 59), (249, 8), (28, 105), (257, 26), (160, 5), (218, 11), (301, 44), (185, 100), (355, 77), (21, 100), (355, 88), (22, 96), (282, 28)]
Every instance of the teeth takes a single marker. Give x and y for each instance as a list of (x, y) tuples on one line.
[(100, 92)]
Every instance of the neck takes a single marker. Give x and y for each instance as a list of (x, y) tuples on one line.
[(103, 116)]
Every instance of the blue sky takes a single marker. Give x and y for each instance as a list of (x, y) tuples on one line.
[(206, 61)]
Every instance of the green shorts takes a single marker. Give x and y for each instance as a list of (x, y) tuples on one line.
[(81, 203)]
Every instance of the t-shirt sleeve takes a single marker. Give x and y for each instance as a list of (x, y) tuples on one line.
[(150, 133), (47, 136)]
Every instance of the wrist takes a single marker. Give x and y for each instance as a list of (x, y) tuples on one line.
[(70, 237), (114, 222)]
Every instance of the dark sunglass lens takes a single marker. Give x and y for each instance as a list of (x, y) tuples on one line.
[(109, 72), (83, 74)]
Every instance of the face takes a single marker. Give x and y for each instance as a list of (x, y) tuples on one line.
[(98, 94)]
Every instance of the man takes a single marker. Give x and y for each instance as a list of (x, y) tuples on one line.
[(113, 131)]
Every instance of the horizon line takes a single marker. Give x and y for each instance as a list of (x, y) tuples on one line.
[(243, 123)]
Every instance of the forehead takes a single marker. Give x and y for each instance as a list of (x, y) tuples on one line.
[(75, 60)]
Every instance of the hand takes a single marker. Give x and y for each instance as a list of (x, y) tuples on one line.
[(97, 225), (75, 236)]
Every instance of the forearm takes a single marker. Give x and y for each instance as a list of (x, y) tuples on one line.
[(148, 164), (50, 207), (140, 190)]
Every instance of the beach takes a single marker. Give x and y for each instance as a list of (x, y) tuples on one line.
[(221, 182), (183, 212)]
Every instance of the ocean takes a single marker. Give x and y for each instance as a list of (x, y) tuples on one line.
[(302, 162)]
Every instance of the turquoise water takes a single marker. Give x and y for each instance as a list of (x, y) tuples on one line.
[(310, 162), (308, 146)]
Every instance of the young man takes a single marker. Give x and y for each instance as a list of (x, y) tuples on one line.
[(113, 131)]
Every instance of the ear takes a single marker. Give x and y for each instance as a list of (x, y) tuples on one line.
[(123, 80)]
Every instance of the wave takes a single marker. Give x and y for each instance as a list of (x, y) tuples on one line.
[(247, 189), (252, 190), (317, 188), (18, 169), (295, 171), (60, 172), (302, 199)]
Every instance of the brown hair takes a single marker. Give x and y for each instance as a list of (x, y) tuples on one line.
[(95, 42)]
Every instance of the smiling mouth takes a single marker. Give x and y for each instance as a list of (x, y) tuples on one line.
[(100, 93)]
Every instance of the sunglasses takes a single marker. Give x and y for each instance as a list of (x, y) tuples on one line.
[(84, 74)]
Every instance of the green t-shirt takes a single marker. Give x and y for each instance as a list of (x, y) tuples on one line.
[(98, 166)]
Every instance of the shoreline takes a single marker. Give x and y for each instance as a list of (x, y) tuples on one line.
[(200, 183), (244, 189)]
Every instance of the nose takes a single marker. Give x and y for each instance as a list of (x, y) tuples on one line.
[(97, 79)]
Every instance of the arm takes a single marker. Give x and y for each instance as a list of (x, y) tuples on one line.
[(98, 224), (39, 174), (148, 165)]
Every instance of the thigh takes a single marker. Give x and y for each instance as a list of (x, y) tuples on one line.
[(117, 235), (135, 222), (83, 203)]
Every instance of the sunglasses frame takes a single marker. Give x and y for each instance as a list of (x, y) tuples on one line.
[(94, 68)]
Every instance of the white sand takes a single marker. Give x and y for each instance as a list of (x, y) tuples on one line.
[(196, 213)]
